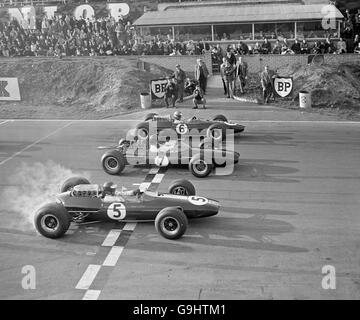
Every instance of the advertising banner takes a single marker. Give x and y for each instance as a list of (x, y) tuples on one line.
[(9, 89), (157, 88)]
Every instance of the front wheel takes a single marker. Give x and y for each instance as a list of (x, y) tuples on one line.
[(113, 162), (171, 223), (182, 187), (199, 167), (52, 220)]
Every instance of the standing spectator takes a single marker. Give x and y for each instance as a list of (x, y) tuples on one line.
[(243, 48), (266, 84), (222, 74), (296, 47), (199, 97), (229, 72), (357, 49), (201, 74), (230, 56), (266, 47), (170, 93), (242, 73), (277, 48), (257, 48), (180, 77), (329, 46), (304, 47), (341, 46)]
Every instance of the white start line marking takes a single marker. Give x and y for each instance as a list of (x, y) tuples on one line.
[(88, 277), (115, 251), (113, 256)]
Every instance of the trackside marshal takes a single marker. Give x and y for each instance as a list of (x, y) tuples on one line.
[(9, 89)]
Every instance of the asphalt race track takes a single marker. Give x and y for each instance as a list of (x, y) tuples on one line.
[(290, 208)]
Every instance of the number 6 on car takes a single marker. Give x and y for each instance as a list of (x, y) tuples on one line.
[(116, 211), (182, 128)]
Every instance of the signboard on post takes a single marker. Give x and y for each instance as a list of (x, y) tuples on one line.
[(283, 86), (9, 89), (157, 88)]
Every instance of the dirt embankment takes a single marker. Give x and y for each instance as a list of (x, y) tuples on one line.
[(80, 88), (333, 87)]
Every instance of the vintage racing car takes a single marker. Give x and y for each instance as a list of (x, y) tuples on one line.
[(193, 126), (81, 201), (201, 159)]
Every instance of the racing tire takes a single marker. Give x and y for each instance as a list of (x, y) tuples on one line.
[(142, 132), (182, 187), (220, 117), (72, 182), (150, 116), (171, 223), (213, 132), (199, 167), (52, 220), (113, 162)]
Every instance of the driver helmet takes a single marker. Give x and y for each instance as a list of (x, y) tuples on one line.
[(109, 188), (177, 115)]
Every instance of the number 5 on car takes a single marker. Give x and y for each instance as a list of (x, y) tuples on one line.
[(116, 211)]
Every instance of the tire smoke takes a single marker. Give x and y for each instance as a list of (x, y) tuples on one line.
[(30, 187)]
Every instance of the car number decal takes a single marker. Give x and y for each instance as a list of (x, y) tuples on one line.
[(198, 201), (116, 211), (182, 128)]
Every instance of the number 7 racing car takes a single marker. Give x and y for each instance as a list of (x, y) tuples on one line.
[(201, 160), (80, 201)]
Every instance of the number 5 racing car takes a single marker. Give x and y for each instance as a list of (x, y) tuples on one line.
[(80, 201)]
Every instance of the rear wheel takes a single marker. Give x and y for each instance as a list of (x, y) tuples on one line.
[(113, 162), (199, 167), (171, 223), (182, 187), (220, 117), (52, 220), (72, 182)]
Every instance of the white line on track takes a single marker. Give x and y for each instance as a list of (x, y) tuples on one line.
[(111, 238), (34, 143), (91, 295), (130, 226), (88, 277), (113, 256), (3, 122)]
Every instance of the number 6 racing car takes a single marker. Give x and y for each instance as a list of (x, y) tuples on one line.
[(81, 201)]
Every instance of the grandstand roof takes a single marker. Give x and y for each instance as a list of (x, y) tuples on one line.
[(233, 14)]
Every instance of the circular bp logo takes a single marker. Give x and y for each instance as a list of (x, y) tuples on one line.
[(116, 211)]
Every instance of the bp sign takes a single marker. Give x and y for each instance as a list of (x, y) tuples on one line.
[(158, 88), (283, 86)]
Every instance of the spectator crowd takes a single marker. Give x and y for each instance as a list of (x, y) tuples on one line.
[(67, 36)]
